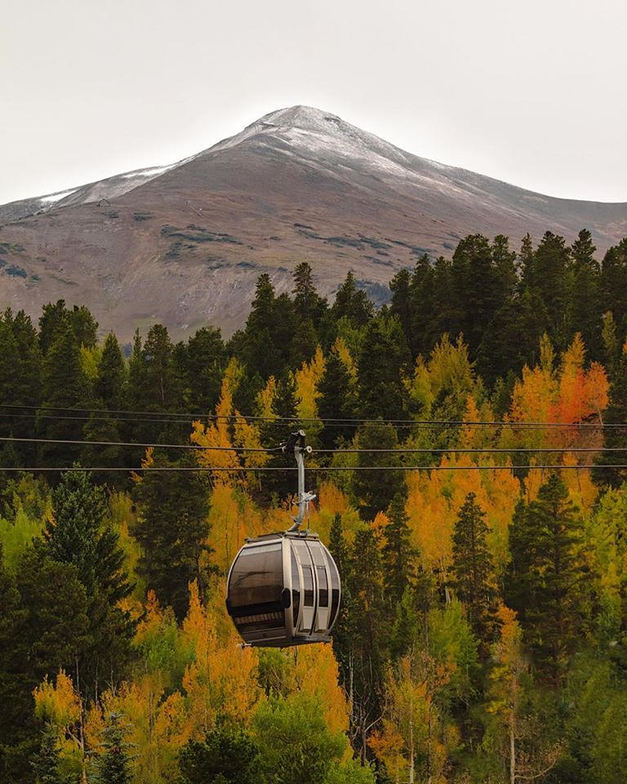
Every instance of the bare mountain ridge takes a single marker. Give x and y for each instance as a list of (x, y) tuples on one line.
[(183, 244)]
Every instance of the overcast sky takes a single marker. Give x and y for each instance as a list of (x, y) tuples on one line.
[(530, 92)]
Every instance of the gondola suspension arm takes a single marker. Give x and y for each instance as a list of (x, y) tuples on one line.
[(296, 444)]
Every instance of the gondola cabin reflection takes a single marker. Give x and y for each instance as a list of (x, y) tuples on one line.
[(284, 589)]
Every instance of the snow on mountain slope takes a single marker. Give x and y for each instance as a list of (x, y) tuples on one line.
[(184, 243)]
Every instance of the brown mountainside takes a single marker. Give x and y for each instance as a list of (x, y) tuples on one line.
[(184, 244)]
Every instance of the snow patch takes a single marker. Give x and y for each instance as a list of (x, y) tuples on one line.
[(147, 172), (56, 196)]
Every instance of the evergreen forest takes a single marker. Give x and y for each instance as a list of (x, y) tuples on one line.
[(482, 635)]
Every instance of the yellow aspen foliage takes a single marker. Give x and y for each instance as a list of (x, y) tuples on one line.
[(307, 379), (221, 676), (58, 703), (344, 354), (571, 393), (216, 433), (264, 399), (434, 501), (414, 742), (319, 659), (157, 728)]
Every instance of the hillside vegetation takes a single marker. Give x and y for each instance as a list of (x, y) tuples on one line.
[(482, 631)]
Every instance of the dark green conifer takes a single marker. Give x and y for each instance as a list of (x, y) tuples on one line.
[(473, 570), (352, 303), (383, 357), (374, 490), (172, 528), (226, 754), (549, 582), (109, 383), (45, 763), (399, 557), (113, 766), (336, 401)]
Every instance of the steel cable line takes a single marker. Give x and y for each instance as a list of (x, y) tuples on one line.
[(270, 450), (317, 469), (165, 416)]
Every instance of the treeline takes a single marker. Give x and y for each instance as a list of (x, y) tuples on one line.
[(482, 632)]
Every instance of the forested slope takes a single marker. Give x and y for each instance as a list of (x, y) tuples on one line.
[(482, 632)]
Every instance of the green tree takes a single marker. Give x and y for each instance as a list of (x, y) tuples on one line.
[(78, 535), (399, 557), (374, 490), (296, 744), (474, 579), (46, 762), (549, 582), (109, 384), (113, 766), (352, 303), (226, 754), (172, 528), (279, 484), (65, 387), (336, 401), (383, 357), (54, 319), (585, 309)]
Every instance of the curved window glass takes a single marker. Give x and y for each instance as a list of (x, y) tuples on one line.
[(308, 585), (295, 588), (335, 590), (257, 580)]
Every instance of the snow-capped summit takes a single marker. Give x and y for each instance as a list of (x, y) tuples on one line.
[(184, 243)]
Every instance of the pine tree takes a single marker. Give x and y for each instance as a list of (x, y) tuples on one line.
[(399, 557), (473, 569), (402, 304), (113, 767), (369, 636), (374, 490), (585, 309), (336, 401), (78, 513), (551, 283), (54, 319), (352, 304), (203, 367), (307, 302), (65, 386), (78, 536), (549, 582), (281, 484), (226, 754), (172, 528), (46, 762), (342, 630), (109, 383), (383, 357), (614, 284), (84, 326)]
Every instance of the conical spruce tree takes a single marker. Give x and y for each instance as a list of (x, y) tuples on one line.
[(399, 557), (109, 383), (172, 529), (113, 766), (336, 401), (374, 490), (549, 582), (45, 762), (474, 579), (281, 484)]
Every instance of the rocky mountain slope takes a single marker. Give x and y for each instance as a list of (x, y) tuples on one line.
[(183, 244)]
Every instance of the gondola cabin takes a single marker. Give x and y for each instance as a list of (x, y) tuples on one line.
[(283, 589)]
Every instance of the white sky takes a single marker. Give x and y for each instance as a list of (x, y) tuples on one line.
[(531, 92)]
